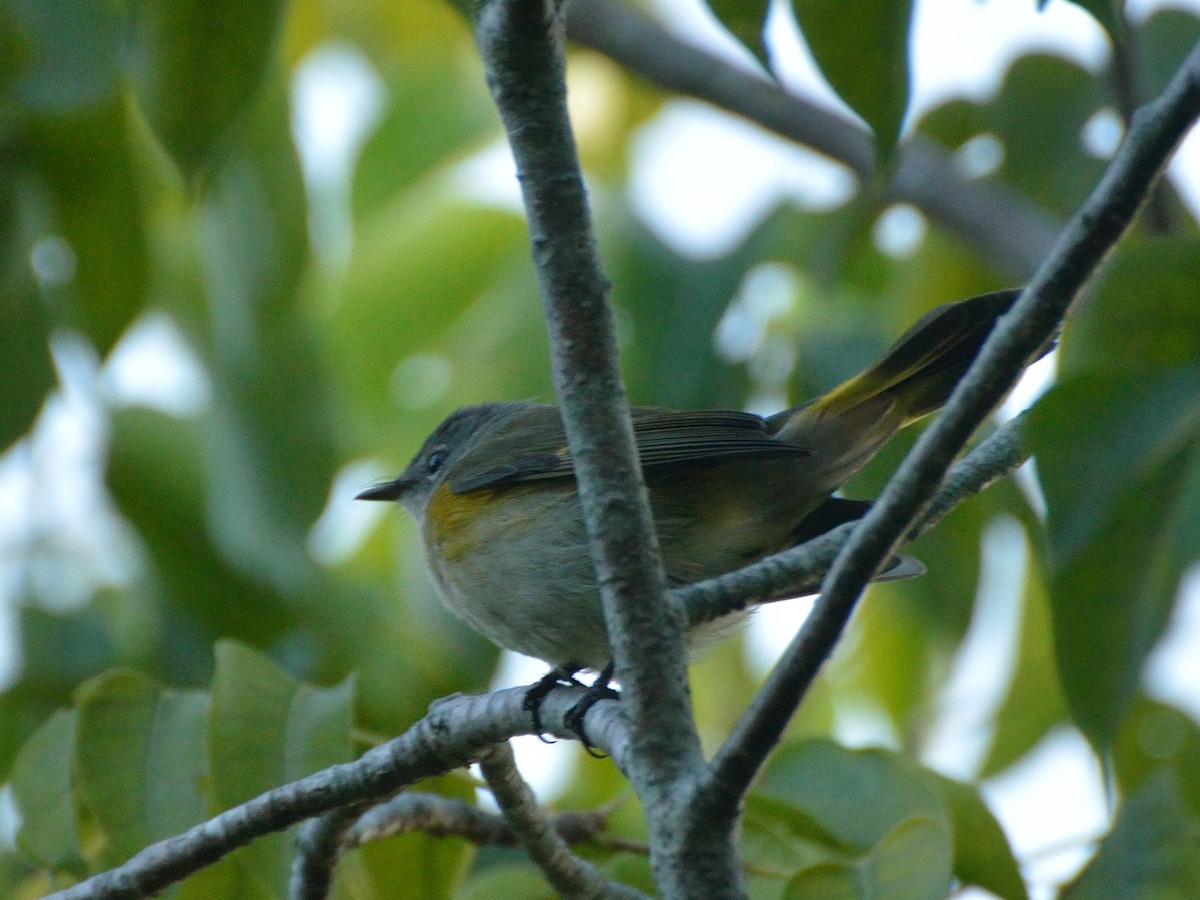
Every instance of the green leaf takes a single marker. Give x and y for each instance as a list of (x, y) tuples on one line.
[(140, 760), (1153, 850), (428, 865), (158, 481), (856, 796), (41, 785), (910, 862), (270, 447), (1096, 437), (1034, 702), (87, 166), (745, 20), (1140, 313), (1154, 738), (862, 49), (266, 731), (1107, 12), (412, 291), (779, 837), (195, 67), (982, 854), (1043, 105), (514, 881), (26, 369), (63, 56), (1118, 462), (456, 117)]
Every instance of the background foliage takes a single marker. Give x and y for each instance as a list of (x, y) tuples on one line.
[(177, 602)]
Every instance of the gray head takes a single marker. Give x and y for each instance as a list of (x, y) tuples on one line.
[(450, 441)]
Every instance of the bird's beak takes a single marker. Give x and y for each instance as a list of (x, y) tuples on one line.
[(386, 490)]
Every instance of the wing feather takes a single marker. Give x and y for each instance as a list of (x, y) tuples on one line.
[(664, 438)]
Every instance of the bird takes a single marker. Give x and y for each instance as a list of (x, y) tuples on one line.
[(493, 491)]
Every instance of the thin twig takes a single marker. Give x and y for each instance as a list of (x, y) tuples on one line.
[(456, 731), (1004, 228), (1149, 143), (450, 817), (799, 570), (571, 876), (318, 849)]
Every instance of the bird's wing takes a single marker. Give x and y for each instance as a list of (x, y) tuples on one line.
[(664, 438)]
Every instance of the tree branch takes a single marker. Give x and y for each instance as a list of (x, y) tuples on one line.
[(463, 727), (1003, 227), (1155, 132), (521, 42), (449, 817), (571, 876), (799, 570), (319, 845), (456, 731)]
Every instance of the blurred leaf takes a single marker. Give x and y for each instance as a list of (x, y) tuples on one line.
[(514, 881), (778, 837), (746, 20), (436, 113), (26, 369), (140, 762), (1034, 702), (157, 479), (65, 56), (1139, 314), (408, 287), (1107, 12), (429, 866), (910, 862), (20, 879), (72, 188), (196, 66), (42, 792), (1037, 118), (266, 731), (86, 164), (895, 673), (862, 50), (1157, 737), (58, 650), (982, 855), (270, 448), (1163, 40), (856, 796), (1153, 850), (1125, 429), (1121, 476)]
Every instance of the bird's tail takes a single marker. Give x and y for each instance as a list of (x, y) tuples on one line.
[(913, 379), (921, 369)]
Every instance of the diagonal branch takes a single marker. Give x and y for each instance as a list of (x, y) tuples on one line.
[(1153, 136), (456, 731), (449, 817), (571, 876), (799, 570), (319, 846), (1002, 226)]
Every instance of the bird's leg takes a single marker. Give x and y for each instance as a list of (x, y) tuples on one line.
[(537, 693), (598, 690)]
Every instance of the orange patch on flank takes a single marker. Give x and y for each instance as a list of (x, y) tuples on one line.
[(452, 520)]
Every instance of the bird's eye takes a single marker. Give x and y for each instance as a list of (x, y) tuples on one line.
[(436, 459)]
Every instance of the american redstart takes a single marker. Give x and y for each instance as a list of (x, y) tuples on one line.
[(493, 489)]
